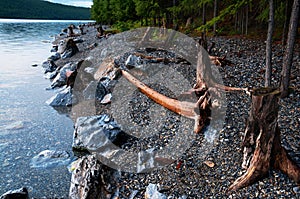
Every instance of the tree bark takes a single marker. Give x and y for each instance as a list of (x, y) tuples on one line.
[(288, 54), (261, 143), (204, 14), (216, 3), (288, 7), (247, 20), (269, 45)]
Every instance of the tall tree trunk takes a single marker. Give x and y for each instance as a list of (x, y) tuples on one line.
[(261, 143), (204, 14), (288, 10), (242, 21), (288, 54), (247, 18), (215, 15), (235, 21), (269, 45)]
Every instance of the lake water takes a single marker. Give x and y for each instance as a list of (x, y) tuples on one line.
[(27, 124)]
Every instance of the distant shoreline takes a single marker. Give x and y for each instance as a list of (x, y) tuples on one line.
[(12, 20)]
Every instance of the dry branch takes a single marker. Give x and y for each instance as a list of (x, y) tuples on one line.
[(184, 108), (219, 61)]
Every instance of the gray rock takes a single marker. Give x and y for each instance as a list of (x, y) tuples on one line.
[(50, 158), (61, 78), (86, 181), (153, 193), (95, 132), (67, 48), (54, 56), (16, 194), (133, 61), (108, 83), (63, 98), (67, 54), (100, 91), (51, 75), (49, 66), (296, 190)]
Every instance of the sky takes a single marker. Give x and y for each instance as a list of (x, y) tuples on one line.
[(81, 3)]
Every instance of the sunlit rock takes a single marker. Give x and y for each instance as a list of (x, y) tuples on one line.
[(153, 193), (50, 158), (96, 132), (62, 98)]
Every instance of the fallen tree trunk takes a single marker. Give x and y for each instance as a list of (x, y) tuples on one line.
[(262, 147)]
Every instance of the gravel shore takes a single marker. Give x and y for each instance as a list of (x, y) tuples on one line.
[(192, 176)]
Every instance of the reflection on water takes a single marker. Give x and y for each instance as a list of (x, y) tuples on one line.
[(27, 125)]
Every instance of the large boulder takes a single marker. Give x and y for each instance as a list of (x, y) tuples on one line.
[(90, 179), (95, 132)]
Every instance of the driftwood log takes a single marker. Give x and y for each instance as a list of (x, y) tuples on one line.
[(204, 86), (261, 143), (184, 108)]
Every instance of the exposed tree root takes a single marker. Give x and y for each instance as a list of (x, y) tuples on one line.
[(262, 147)]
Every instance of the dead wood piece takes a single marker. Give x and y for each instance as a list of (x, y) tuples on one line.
[(219, 61), (165, 60), (262, 148), (184, 108), (205, 78)]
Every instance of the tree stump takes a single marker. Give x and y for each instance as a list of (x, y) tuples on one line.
[(261, 143)]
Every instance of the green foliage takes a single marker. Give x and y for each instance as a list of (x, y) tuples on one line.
[(37, 9), (229, 10), (112, 11), (264, 12), (126, 14), (121, 26), (279, 12)]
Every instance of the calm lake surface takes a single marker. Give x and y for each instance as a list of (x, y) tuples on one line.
[(28, 125)]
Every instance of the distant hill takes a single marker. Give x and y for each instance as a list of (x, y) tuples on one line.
[(38, 9)]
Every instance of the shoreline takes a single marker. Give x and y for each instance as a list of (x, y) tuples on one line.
[(227, 134), (193, 178)]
